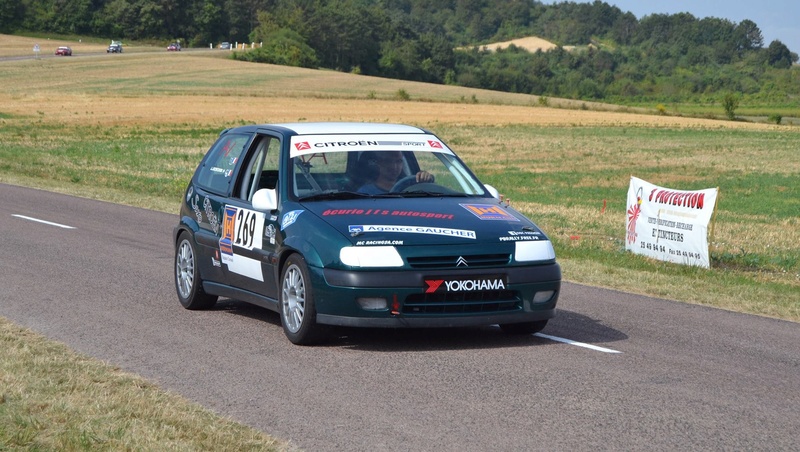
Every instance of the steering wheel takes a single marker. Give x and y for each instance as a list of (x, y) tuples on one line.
[(404, 183)]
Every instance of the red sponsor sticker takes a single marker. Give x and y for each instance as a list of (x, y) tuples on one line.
[(435, 144), (433, 285), (302, 146), (489, 212)]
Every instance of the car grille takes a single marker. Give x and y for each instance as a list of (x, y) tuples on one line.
[(469, 261), (480, 302)]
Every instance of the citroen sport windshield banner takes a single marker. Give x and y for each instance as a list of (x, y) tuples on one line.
[(311, 144), (669, 225)]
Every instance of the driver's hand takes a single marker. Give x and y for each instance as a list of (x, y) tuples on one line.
[(424, 176)]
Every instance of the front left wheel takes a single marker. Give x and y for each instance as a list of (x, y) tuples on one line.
[(298, 313), (188, 283)]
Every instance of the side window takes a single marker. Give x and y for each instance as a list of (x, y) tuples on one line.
[(271, 162), (320, 173), (216, 174), (262, 168)]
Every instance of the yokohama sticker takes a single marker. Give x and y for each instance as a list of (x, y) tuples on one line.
[(464, 284)]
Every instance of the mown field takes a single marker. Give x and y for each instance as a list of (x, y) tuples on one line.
[(131, 128)]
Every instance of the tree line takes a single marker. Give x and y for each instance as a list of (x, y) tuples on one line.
[(612, 56)]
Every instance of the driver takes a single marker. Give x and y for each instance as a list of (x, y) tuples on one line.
[(389, 168)]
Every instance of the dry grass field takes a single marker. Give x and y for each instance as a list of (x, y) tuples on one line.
[(104, 109), (202, 86)]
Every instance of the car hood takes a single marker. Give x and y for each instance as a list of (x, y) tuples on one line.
[(426, 221)]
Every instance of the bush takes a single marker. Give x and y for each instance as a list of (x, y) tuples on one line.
[(775, 118), (284, 47), (730, 103), (402, 94)]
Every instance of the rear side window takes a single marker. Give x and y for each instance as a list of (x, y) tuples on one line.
[(217, 171)]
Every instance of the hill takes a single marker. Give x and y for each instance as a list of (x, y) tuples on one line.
[(158, 84), (660, 59)]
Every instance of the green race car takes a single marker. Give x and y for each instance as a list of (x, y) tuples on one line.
[(358, 225)]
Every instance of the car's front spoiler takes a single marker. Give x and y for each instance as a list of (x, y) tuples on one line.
[(400, 321)]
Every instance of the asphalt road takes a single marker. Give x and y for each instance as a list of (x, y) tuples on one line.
[(684, 377)]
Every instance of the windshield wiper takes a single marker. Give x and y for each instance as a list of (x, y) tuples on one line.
[(334, 195), (436, 194)]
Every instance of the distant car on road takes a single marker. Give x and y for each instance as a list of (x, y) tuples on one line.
[(225, 45), (358, 225), (114, 48), (174, 47), (64, 51)]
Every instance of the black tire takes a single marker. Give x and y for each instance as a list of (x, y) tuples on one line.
[(188, 284), (296, 303), (524, 327)]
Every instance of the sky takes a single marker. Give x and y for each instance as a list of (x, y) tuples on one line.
[(777, 19)]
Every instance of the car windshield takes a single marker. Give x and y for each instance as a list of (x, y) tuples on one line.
[(388, 172)]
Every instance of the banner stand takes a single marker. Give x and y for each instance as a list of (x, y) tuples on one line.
[(669, 224), (713, 227)]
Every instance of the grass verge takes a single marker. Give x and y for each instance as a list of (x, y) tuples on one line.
[(54, 399)]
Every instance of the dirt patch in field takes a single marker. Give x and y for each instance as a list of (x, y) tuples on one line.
[(102, 110), (530, 43)]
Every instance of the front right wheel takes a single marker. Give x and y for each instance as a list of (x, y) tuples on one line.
[(298, 313)]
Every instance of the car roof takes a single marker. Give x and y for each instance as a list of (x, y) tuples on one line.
[(332, 128)]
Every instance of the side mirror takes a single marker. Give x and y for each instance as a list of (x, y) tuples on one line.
[(492, 191), (265, 199)]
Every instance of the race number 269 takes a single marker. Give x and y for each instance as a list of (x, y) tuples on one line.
[(247, 229)]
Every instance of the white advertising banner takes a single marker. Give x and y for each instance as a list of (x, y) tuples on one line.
[(669, 225)]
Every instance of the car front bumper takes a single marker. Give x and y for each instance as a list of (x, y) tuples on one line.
[(337, 294)]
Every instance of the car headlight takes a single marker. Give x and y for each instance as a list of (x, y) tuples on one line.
[(370, 256), (539, 250)]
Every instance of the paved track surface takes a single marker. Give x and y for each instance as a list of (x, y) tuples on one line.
[(685, 378)]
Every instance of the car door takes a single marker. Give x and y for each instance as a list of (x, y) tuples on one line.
[(249, 238), (208, 196)]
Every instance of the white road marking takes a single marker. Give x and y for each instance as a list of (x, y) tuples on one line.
[(43, 221), (578, 344)]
